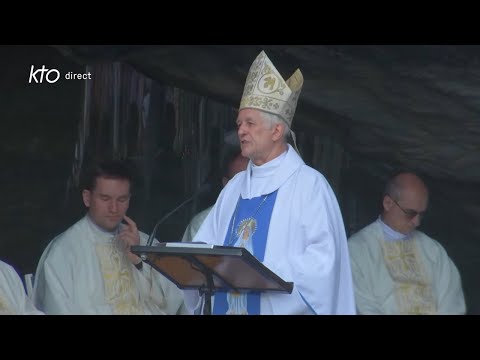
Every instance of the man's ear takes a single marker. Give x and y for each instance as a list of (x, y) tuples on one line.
[(387, 203), (278, 131), (86, 196)]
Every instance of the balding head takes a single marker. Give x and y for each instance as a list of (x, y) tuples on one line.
[(405, 184), (404, 202)]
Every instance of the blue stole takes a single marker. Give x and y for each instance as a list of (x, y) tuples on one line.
[(252, 220)]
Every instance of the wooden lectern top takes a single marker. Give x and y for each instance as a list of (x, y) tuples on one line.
[(231, 268)]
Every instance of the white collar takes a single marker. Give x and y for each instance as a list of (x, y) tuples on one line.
[(265, 179), (268, 169), (390, 234), (101, 230)]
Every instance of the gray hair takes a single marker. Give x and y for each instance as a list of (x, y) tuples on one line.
[(273, 119)]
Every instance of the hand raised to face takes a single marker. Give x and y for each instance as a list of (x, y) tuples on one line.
[(129, 236)]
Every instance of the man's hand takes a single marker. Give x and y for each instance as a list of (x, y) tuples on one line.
[(130, 236)]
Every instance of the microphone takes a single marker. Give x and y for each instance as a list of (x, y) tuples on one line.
[(202, 189)]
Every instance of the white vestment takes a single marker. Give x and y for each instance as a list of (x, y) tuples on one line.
[(13, 299), (83, 271), (413, 276), (195, 224), (306, 241)]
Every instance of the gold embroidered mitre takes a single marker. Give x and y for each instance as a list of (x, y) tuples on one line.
[(266, 90)]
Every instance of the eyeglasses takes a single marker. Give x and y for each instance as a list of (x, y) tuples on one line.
[(409, 213)]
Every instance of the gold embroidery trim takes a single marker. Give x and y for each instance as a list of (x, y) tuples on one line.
[(413, 290), (120, 290)]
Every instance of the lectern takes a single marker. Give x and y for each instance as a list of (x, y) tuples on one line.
[(209, 268)]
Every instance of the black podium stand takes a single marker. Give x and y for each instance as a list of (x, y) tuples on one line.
[(209, 268)]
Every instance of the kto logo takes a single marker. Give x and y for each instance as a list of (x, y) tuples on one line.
[(51, 75)]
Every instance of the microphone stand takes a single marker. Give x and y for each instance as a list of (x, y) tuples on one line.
[(152, 234)]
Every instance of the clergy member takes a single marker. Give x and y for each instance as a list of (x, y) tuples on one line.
[(398, 269), (13, 299), (89, 268), (281, 210)]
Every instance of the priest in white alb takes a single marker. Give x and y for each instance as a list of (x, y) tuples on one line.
[(281, 210), (13, 299), (398, 270), (89, 268)]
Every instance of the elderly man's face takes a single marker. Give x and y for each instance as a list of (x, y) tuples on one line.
[(257, 139)]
